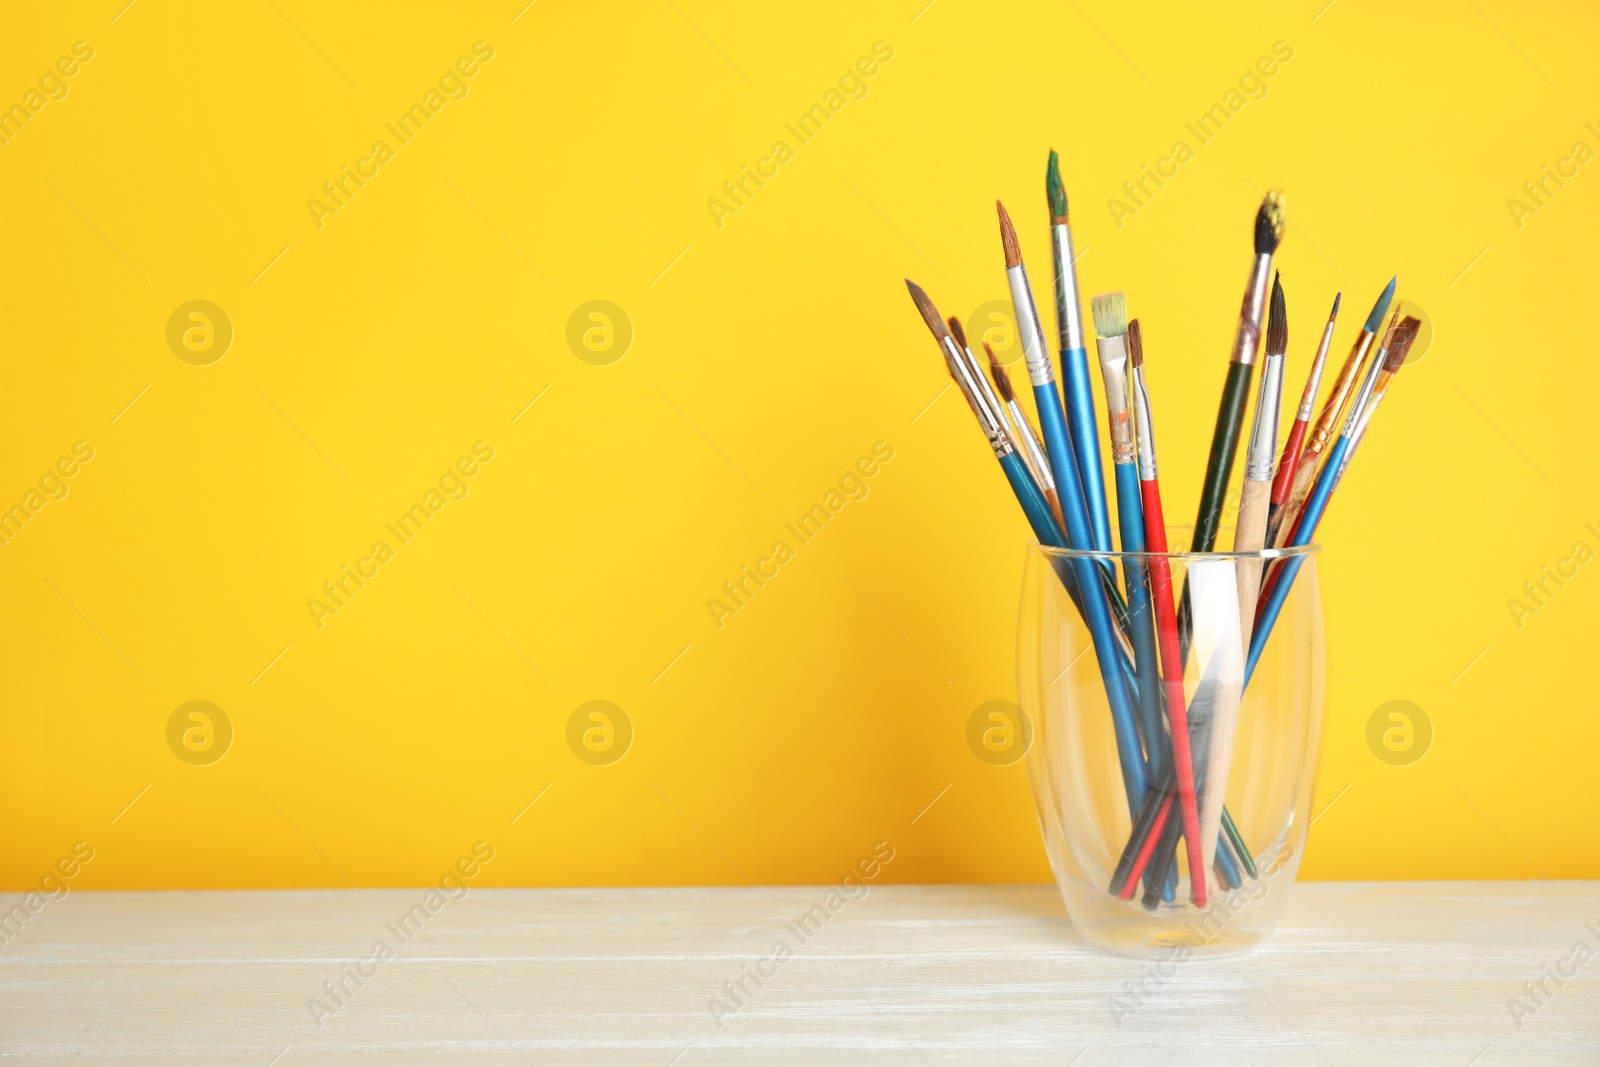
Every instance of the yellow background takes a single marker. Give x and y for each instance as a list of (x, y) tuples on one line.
[(769, 354)]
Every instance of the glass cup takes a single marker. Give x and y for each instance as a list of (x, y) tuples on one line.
[(1117, 686)]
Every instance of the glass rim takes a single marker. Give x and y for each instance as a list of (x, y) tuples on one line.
[(1184, 556)]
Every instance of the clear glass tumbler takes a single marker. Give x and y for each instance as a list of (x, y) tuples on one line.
[(1117, 688)]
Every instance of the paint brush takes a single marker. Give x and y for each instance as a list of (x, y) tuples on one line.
[(1393, 359), (1110, 311), (1058, 444), (1236, 388), (1096, 613), (1155, 536), (1388, 361), (1290, 460), (1078, 390), (1250, 531), (991, 420), (1305, 475), (1032, 447), (1248, 537)]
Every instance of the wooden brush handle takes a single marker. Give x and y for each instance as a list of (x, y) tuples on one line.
[(1248, 537), (1305, 476)]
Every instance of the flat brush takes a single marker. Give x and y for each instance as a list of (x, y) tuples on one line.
[(1078, 390), (1032, 447), (1236, 388), (1290, 460), (1111, 342), (1306, 470), (1093, 603)]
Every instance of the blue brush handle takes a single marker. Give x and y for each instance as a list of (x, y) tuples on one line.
[(1086, 443), (1053, 424), (1130, 520), (1230, 869), (1043, 521), (1316, 504), (1034, 505)]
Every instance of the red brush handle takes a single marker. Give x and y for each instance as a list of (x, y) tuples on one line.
[(1155, 536), (1284, 482)]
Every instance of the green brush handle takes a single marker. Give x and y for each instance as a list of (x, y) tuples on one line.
[(1219, 471), (1224, 446)]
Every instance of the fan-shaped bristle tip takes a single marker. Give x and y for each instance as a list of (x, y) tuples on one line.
[(1269, 223), (1110, 314), (1277, 321)]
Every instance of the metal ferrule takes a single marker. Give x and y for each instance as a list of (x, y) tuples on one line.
[(986, 392), (1028, 328), (1145, 426), (1361, 427), (1322, 432), (1114, 369), (1308, 400), (1264, 439), (1248, 339), (988, 421), (991, 417), (1360, 432), (1378, 393), (1068, 316), (1358, 405), (1030, 446)]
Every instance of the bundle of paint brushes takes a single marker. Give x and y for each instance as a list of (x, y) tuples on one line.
[(1174, 769)]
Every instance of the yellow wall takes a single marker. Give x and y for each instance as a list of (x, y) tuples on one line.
[(772, 349)]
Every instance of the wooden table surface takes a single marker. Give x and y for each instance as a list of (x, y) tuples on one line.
[(1358, 973)]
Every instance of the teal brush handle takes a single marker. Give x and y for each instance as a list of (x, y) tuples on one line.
[(1034, 505), (1043, 522), (1141, 620), (1053, 425), (1086, 442)]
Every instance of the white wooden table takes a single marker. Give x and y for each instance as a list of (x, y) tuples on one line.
[(1358, 973)]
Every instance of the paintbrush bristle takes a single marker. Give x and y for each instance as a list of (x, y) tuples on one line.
[(1269, 223), (1008, 238), (1277, 321), (930, 314), (1135, 344), (1375, 318), (1110, 314), (958, 332), (1002, 380), (1335, 312), (1055, 191), (1400, 343)]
